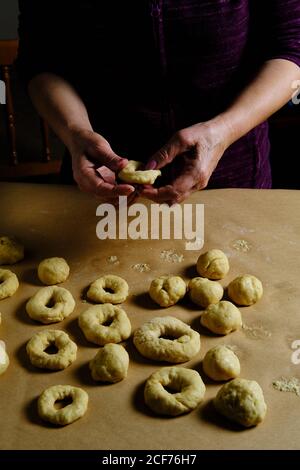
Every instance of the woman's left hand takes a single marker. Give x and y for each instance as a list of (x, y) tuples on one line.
[(198, 149)]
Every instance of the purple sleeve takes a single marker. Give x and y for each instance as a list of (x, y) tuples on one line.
[(283, 29)]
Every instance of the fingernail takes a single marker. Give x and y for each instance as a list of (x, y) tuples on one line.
[(151, 165)]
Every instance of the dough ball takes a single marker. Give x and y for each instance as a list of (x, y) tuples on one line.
[(220, 363), (242, 401), (204, 292), (110, 363), (221, 318), (213, 264), (11, 251), (53, 271), (245, 290), (167, 290), (4, 359)]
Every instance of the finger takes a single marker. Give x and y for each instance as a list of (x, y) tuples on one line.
[(102, 151), (166, 154), (108, 175), (160, 195), (88, 181)]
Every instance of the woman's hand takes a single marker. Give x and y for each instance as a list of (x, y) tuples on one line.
[(95, 164), (197, 150)]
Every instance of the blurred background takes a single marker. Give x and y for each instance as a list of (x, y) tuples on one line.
[(30, 152)]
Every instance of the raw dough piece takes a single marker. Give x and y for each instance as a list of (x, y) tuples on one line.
[(53, 271), (150, 342), (221, 318), (92, 322), (37, 345), (8, 283), (133, 173), (98, 293), (61, 303), (220, 363), (186, 384), (213, 264), (242, 401), (4, 359), (110, 363), (204, 292), (69, 413), (11, 251), (245, 290), (167, 290)]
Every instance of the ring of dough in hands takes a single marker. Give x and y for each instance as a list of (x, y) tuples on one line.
[(60, 301), (4, 359), (98, 293), (11, 251), (150, 342), (37, 345), (8, 283), (53, 271), (107, 323), (68, 414), (133, 173), (167, 290), (186, 384), (110, 363)]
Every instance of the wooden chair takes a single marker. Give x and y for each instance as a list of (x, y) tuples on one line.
[(8, 54)]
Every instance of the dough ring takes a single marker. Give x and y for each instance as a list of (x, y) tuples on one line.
[(110, 363), (99, 290), (53, 271), (50, 304), (11, 251), (102, 324), (132, 174), (167, 290), (68, 414), (187, 391), (150, 342), (8, 283), (37, 345)]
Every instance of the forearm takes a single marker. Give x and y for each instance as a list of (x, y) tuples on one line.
[(269, 91), (60, 105)]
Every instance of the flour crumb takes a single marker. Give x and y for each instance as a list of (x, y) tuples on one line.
[(256, 332), (171, 256), (232, 347), (113, 260), (141, 267), (242, 245), (286, 384)]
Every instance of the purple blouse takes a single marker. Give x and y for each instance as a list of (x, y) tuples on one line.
[(147, 68)]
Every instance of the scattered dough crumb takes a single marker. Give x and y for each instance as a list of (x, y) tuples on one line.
[(233, 347), (256, 332), (285, 384), (113, 260), (171, 256), (242, 245), (141, 267)]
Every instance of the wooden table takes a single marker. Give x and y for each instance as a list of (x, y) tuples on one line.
[(60, 221)]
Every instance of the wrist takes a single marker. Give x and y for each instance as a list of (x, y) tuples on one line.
[(222, 131)]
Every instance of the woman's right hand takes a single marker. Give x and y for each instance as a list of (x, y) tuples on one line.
[(92, 156)]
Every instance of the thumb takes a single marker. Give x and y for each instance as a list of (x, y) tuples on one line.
[(165, 155), (102, 152)]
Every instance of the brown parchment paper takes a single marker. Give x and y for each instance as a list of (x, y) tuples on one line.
[(61, 221)]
